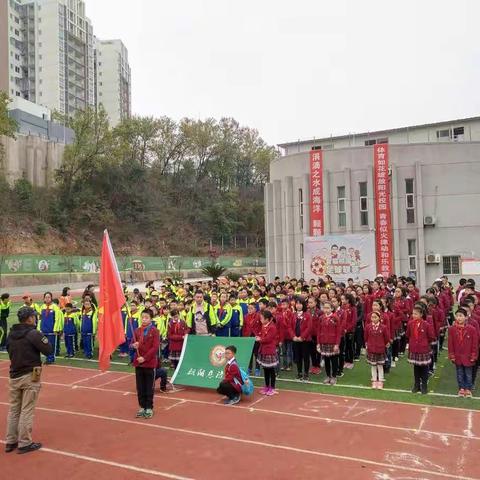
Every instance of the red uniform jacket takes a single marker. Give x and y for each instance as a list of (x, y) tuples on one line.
[(387, 320), (315, 315), (420, 334), (462, 345), (367, 305), (414, 296), (376, 338), (176, 333), (268, 339), (475, 324), (434, 327), (444, 303), (400, 312), (305, 325), (329, 330), (378, 294), (437, 317), (148, 347), (350, 318), (251, 325), (231, 372), (285, 325)]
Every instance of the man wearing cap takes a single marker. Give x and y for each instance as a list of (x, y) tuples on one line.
[(24, 345)]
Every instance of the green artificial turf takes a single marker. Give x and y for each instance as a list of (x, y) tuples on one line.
[(354, 383)]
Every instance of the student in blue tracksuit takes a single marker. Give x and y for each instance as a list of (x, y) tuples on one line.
[(124, 347), (88, 327), (236, 323), (133, 320), (50, 323), (59, 334), (70, 325), (223, 314)]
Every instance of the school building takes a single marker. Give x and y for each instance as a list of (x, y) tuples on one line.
[(434, 175)]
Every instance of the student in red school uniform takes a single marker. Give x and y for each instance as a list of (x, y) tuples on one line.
[(468, 304), (367, 299), (177, 329), (438, 323), (302, 336), (329, 335), (145, 362), (419, 334), (251, 328), (413, 292), (377, 292), (285, 326), (401, 310), (338, 311), (377, 340), (267, 353), (350, 321), (386, 320), (463, 351), (231, 385), (314, 311)]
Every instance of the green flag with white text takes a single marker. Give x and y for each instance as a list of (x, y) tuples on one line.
[(203, 359)]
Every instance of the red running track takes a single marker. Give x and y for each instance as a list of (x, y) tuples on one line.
[(86, 421)]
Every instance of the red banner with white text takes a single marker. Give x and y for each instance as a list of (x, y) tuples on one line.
[(316, 193), (383, 215)]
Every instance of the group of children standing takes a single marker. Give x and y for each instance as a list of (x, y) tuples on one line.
[(314, 325)]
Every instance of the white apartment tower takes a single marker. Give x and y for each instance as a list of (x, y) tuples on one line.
[(113, 79), (51, 56), (47, 56)]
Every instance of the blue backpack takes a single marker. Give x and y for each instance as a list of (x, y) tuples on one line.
[(247, 384)]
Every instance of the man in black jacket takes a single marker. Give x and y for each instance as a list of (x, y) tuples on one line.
[(24, 345)]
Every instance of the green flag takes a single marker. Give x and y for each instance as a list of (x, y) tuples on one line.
[(203, 359)]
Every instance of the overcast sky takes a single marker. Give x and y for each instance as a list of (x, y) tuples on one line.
[(297, 69)]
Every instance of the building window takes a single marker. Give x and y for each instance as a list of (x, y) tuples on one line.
[(451, 265), (458, 133), (374, 141), (300, 208), (445, 133), (412, 255), (341, 202), (363, 204), (410, 200)]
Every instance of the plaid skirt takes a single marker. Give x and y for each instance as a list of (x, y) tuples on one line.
[(326, 349), (267, 361), (376, 358), (172, 355), (419, 358)]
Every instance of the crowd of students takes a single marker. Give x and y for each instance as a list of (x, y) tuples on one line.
[(306, 325)]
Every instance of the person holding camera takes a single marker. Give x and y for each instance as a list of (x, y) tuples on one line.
[(24, 345)]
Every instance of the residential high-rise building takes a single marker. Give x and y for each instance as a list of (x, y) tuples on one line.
[(113, 89), (47, 56)]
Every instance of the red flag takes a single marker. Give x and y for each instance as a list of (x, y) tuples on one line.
[(110, 327)]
